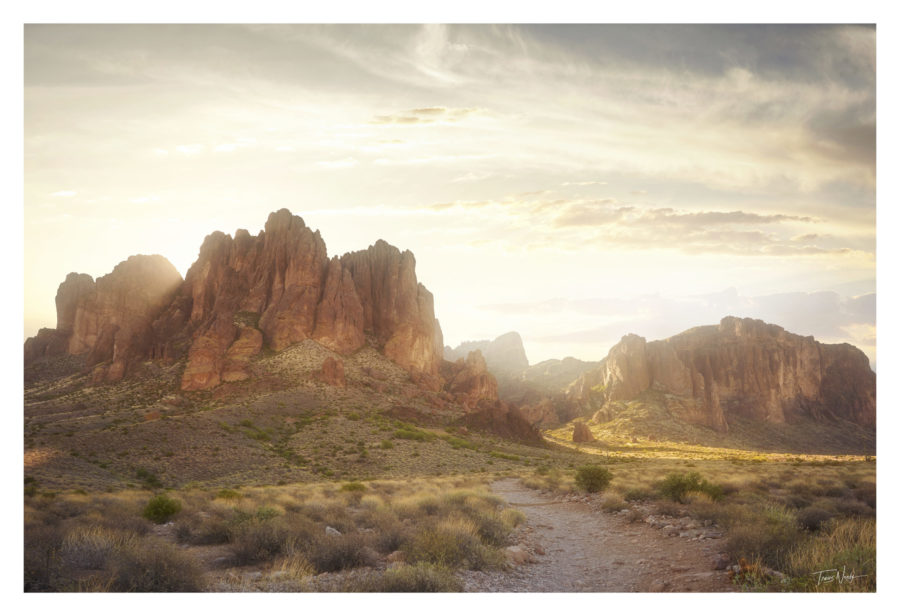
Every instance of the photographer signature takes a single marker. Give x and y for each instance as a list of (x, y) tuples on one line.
[(835, 575)]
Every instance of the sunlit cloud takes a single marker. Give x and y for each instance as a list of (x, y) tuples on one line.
[(190, 149), (426, 115), (64, 193)]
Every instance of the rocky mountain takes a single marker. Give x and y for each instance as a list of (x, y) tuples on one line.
[(242, 294), (504, 356), (739, 368), (246, 294)]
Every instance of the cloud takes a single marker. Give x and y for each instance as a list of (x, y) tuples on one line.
[(64, 193), (427, 115)]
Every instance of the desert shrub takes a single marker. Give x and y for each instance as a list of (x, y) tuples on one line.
[(669, 508), (850, 507), (421, 577), (229, 494), (676, 486), (160, 508), (390, 534), (866, 493), (197, 530), (259, 542), (155, 566), (353, 486), (43, 543), (592, 478), (638, 494), (846, 545), (613, 502), (812, 518), (338, 552), (148, 479), (387, 444), (452, 543), (90, 547), (769, 534)]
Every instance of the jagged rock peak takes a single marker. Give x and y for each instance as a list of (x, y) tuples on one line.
[(248, 292)]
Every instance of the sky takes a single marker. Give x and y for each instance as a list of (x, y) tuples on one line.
[(572, 183)]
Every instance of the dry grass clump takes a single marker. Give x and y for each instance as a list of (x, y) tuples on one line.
[(613, 502), (453, 543), (421, 577), (155, 566), (768, 534), (844, 551)]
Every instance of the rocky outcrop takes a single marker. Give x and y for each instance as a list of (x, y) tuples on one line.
[(502, 419), (741, 367), (505, 355), (468, 380), (109, 321), (581, 433), (332, 372), (242, 294)]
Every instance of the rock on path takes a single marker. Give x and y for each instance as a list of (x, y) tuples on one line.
[(579, 548)]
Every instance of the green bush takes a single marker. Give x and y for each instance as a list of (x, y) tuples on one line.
[(592, 478), (160, 508), (353, 486), (675, 486)]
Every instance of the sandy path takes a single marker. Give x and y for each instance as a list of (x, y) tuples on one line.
[(579, 548)]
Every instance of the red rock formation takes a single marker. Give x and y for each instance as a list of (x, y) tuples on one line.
[(274, 289), (502, 419), (581, 433), (469, 380), (742, 367), (109, 321)]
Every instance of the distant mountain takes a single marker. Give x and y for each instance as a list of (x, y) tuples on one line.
[(505, 355), (740, 369)]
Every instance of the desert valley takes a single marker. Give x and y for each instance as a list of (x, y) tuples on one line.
[(285, 420)]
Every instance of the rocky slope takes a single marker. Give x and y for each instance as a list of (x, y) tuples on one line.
[(740, 368)]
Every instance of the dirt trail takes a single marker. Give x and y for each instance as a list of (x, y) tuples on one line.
[(578, 548)]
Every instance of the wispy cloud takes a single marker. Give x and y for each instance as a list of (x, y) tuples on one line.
[(427, 115)]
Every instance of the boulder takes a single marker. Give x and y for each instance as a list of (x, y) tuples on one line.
[(581, 433), (332, 372)]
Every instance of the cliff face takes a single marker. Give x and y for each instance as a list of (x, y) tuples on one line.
[(741, 367), (468, 380), (108, 321), (244, 293)]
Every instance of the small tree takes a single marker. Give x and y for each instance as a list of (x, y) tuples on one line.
[(592, 478)]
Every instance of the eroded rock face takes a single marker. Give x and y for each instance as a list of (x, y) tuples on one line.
[(469, 380), (741, 367), (504, 420), (242, 294), (109, 321)]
